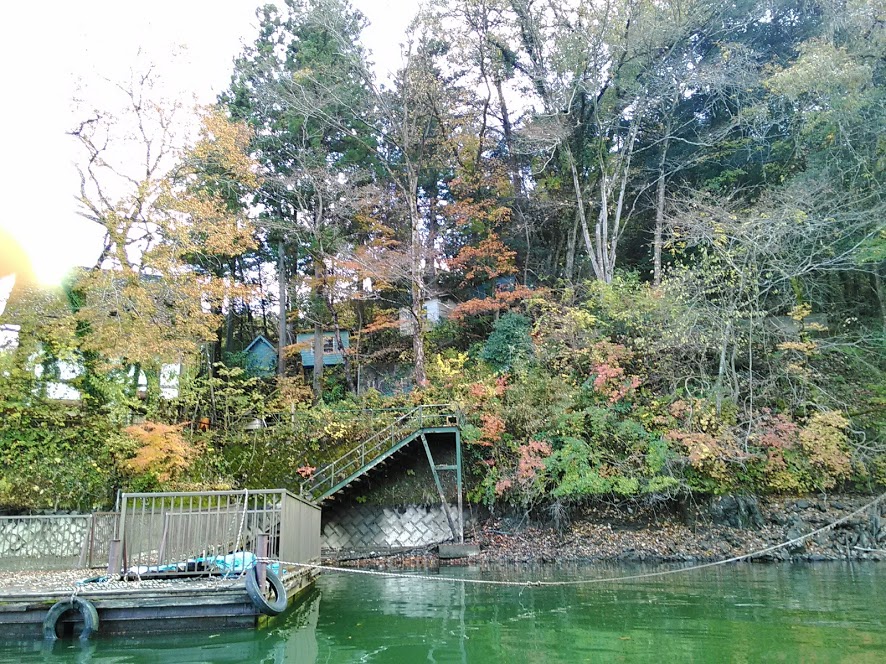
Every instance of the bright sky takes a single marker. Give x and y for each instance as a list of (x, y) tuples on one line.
[(47, 48)]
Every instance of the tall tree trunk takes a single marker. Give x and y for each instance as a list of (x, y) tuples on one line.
[(317, 376), (346, 361), (263, 304), (250, 319), (513, 166), (336, 327), (593, 249), (229, 318), (721, 367), (317, 382), (516, 181), (881, 293), (417, 288), (136, 372), (217, 342), (229, 326), (281, 331), (432, 237), (152, 387), (611, 237), (571, 243), (658, 238), (360, 313)]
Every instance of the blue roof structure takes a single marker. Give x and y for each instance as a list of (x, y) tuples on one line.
[(331, 353), (261, 357)]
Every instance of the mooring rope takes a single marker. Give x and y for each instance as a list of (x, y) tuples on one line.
[(242, 519), (579, 582), (234, 578)]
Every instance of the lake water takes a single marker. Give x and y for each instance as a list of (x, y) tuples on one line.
[(739, 613)]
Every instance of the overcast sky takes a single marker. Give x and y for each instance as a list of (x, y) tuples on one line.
[(48, 49)]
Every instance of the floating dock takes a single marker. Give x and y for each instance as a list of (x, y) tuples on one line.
[(141, 607), (176, 562)]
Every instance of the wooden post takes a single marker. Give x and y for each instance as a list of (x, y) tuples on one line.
[(261, 552), (115, 548)]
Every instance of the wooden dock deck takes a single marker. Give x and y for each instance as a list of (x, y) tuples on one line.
[(174, 605)]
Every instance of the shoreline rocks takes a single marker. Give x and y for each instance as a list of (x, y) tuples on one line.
[(715, 529)]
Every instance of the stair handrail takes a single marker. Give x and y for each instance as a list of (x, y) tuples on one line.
[(339, 465), (397, 430)]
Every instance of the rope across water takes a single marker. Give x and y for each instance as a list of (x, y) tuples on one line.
[(579, 582)]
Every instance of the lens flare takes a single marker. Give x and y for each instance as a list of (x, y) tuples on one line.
[(15, 266), (14, 259)]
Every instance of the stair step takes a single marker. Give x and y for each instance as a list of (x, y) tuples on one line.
[(413, 426)]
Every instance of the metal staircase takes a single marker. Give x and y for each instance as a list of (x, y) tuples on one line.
[(415, 424)]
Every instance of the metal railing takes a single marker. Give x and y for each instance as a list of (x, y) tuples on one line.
[(97, 547), (420, 417), (176, 533)]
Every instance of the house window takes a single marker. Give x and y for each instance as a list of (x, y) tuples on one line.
[(329, 345)]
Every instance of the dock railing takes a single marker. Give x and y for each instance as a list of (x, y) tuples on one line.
[(97, 546), (178, 533), (420, 417)]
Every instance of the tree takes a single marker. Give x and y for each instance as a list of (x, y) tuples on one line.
[(580, 82), (172, 226), (297, 86), (832, 98), (396, 128)]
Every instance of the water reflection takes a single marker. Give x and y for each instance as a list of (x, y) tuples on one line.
[(737, 613), (741, 613), (291, 638)]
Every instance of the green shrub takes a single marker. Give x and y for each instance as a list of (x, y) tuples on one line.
[(509, 345)]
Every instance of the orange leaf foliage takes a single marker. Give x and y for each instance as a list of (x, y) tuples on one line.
[(162, 451), (489, 259), (501, 301), (492, 429), (385, 320)]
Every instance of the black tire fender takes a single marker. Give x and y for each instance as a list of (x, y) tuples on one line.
[(83, 606), (257, 595)]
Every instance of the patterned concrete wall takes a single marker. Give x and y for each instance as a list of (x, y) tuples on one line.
[(374, 527), (38, 542)]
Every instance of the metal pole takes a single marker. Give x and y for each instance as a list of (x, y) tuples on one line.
[(461, 512), (120, 532), (439, 486)]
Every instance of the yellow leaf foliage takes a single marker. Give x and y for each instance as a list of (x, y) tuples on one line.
[(805, 347), (826, 444)]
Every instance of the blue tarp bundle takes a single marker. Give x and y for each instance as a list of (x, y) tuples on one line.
[(231, 564)]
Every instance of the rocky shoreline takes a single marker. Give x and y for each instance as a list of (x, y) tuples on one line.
[(711, 530), (706, 531)]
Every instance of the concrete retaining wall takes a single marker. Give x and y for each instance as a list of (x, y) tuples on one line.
[(376, 527), (42, 542)]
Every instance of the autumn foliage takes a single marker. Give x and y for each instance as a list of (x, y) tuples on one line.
[(162, 451)]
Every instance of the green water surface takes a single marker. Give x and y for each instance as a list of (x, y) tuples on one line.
[(739, 613)]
